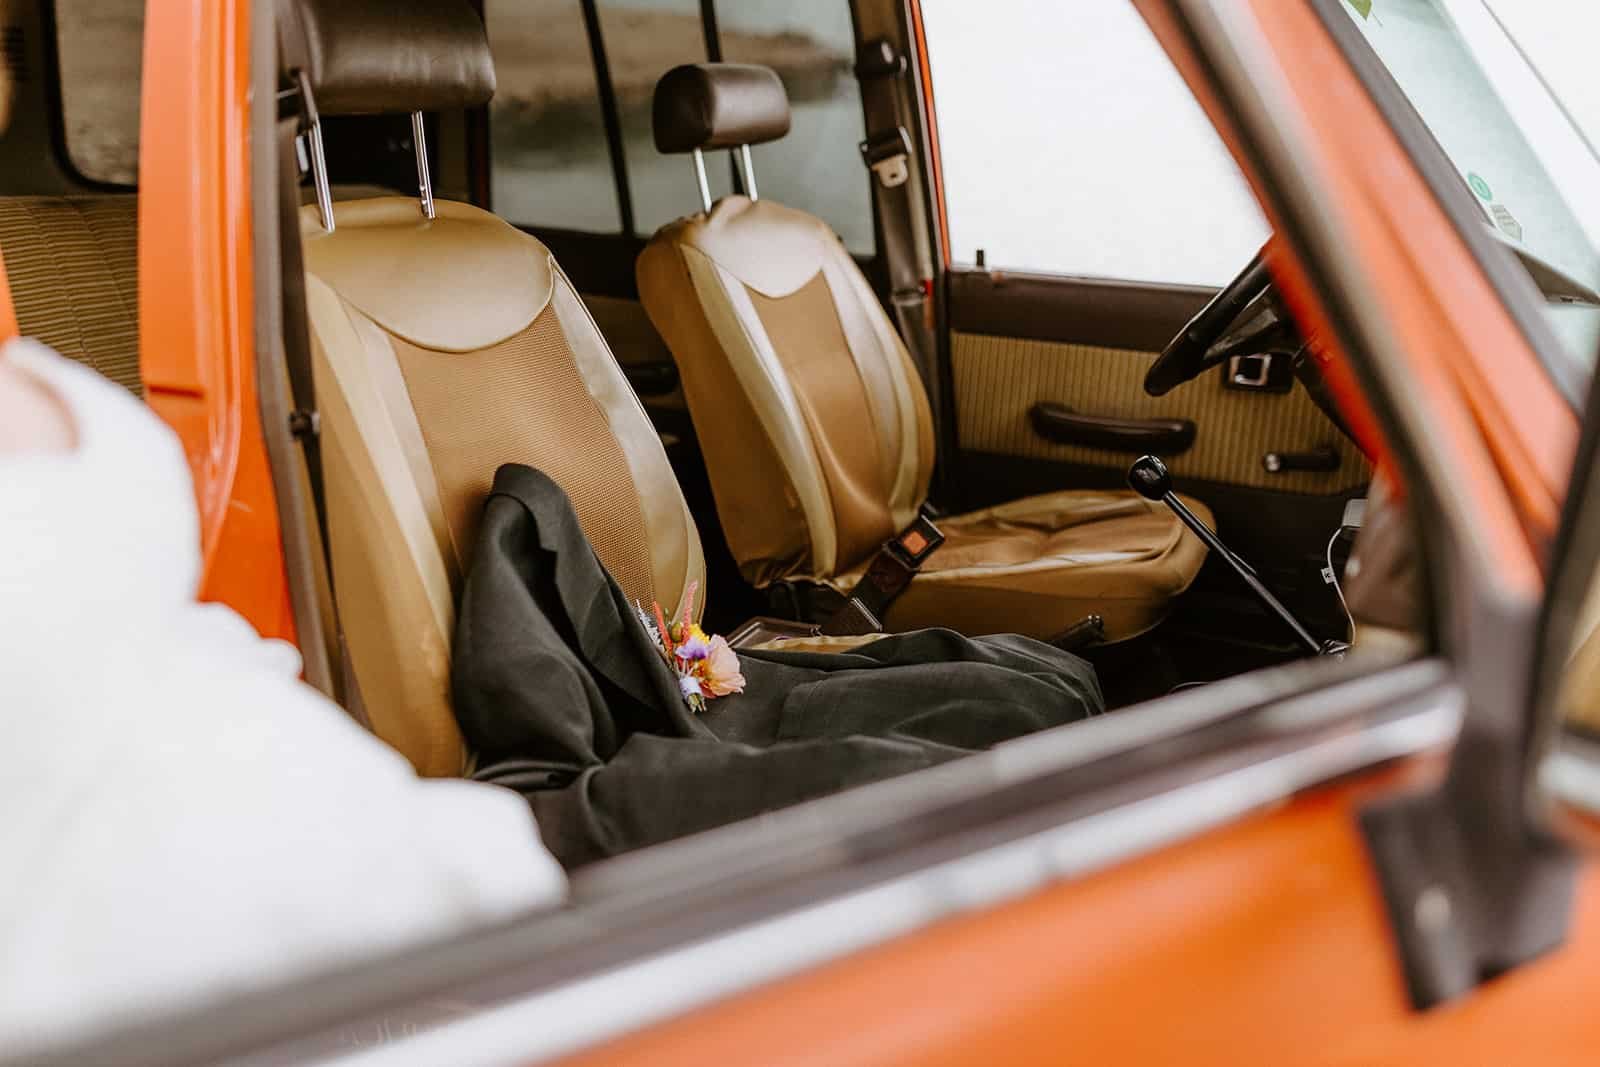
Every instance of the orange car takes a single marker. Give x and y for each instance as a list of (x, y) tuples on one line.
[(1338, 812)]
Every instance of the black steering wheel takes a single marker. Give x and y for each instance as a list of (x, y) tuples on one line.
[(1209, 337)]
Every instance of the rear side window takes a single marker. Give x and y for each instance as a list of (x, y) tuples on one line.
[(549, 161), (1070, 145), (552, 162), (817, 167), (643, 41), (100, 46)]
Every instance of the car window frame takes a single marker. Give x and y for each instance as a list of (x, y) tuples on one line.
[(1563, 796), (834, 876)]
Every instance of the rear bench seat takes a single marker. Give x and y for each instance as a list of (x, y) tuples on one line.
[(72, 262)]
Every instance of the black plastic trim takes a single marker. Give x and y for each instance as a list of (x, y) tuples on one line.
[(1058, 307), (610, 113), (709, 31), (652, 379), (598, 263)]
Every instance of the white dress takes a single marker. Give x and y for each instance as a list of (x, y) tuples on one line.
[(180, 816)]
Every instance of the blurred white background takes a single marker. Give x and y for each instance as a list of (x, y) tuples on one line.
[(1120, 174)]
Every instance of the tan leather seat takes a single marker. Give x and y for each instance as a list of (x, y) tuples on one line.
[(815, 427), (443, 349), (73, 266)]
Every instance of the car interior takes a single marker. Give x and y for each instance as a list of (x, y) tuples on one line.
[(1152, 478)]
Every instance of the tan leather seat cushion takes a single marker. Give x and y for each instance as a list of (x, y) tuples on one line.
[(73, 265), (1038, 565)]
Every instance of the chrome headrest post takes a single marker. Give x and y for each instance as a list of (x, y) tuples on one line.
[(319, 176), (419, 140), (747, 167), (700, 179)]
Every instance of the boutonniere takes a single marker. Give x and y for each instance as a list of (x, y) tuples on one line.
[(706, 664)]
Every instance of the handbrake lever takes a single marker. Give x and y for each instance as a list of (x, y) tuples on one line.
[(1150, 478)]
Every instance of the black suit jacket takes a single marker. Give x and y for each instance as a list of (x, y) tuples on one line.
[(561, 693)]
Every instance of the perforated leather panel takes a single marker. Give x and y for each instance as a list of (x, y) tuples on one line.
[(523, 401), (833, 401), (999, 379)]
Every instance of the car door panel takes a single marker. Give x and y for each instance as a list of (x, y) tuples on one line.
[(999, 380), (1016, 341)]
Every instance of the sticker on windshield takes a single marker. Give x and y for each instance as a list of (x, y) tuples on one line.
[(1479, 186), (1362, 7), (1506, 221)]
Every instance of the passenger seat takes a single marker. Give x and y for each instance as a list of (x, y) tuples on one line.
[(443, 348), (73, 267), (815, 425)]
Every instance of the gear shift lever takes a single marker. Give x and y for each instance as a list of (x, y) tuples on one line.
[(1150, 479)]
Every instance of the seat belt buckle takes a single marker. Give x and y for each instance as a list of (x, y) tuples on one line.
[(886, 577), (888, 155), (913, 545)]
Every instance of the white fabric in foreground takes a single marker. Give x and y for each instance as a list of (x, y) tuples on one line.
[(181, 817)]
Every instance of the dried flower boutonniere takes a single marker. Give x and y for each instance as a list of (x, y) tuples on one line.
[(706, 664)]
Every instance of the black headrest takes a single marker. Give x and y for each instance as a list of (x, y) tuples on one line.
[(718, 105), (373, 57)]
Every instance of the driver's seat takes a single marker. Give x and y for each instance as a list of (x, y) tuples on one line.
[(816, 430)]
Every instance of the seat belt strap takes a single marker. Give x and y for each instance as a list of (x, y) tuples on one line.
[(897, 562), (880, 69)]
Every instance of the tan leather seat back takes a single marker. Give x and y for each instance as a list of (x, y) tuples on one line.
[(813, 421), (444, 349)]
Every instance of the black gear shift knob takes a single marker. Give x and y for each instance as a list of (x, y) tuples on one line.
[(1149, 478)]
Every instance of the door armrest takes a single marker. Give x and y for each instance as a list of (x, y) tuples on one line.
[(1061, 425)]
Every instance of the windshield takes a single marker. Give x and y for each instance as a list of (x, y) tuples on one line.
[(1499, 86)]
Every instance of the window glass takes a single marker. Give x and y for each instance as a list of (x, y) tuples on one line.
[(549, 161), (101, 48), (817, 167), (1558, 36), (645, 39), (1515, 147), (1070, 145)]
